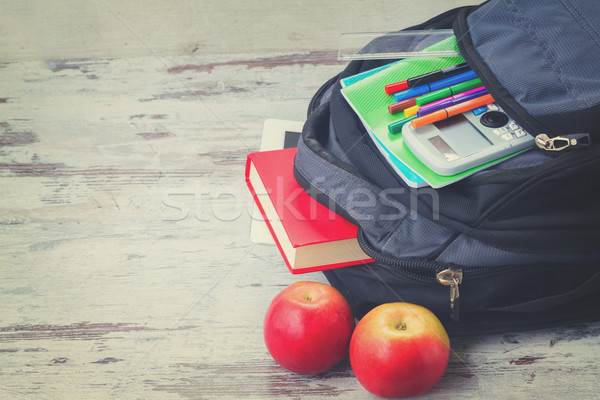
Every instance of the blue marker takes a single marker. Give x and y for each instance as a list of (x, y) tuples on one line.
[(430, 87)]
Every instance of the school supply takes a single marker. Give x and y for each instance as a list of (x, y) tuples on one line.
[(402, 105), (433, 86), (452, 100), (365, 92), (434, 96), (426, 78), (431, 77), (514, 246), (410, 111), (393, 45), (451, 111), (396, 126), (309, 236), (370, 102), (447, 92), (460, 141)]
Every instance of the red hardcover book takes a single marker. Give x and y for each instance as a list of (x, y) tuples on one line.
[(309, 236)]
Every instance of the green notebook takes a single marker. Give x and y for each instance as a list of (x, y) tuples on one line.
[(368, 99)]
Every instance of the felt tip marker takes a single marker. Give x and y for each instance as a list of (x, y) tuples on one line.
[(452, 100), (401, 105), (396, 87), (437, 75), (430, 87), (451, 111), (396, 126), (410, 111), (447, 92), (426, 78)]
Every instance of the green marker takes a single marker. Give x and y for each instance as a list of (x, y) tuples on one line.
[(396, 127), (447, 92)]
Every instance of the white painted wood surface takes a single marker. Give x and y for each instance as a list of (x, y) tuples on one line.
[(126, 269), (42, 29)]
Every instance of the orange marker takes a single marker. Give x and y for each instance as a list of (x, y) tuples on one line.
[(452, 111)]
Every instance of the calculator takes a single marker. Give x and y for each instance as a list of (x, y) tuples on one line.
[(466, 140)]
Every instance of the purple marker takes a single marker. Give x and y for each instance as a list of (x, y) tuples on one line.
[(436, 105), (452, 100)]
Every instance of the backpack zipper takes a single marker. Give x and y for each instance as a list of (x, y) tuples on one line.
[(508, 104), (431, 272), (452, 278), (560, 143), (421, 271)]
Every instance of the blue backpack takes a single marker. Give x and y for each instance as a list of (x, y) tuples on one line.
[(514, 246)]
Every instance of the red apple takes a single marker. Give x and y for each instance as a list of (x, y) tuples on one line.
[(308, 327), (399, 350)]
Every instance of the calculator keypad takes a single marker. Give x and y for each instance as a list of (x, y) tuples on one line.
[(510, 131)]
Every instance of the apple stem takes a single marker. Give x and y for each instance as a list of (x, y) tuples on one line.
[(307, 298), (401, 326)]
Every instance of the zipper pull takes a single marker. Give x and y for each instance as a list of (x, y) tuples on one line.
[(452, 278), (560, 143)]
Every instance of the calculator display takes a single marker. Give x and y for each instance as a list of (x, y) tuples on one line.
[(443, 147), (461, 136)]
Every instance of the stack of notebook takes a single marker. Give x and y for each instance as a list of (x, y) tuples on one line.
[(420, 91)]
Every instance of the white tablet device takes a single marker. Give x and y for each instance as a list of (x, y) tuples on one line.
[(277, 134), (466, 140)]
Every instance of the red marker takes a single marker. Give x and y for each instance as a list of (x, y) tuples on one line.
[(396, 87)]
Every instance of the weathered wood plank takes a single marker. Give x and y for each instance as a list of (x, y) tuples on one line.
[(126, 267), (107, 28)]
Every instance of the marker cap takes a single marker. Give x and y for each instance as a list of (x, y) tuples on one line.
[(447, 92), (452, 111), (433, 96), (412, 92), (410, 111), (396, 126), (401, 105), (468, 85), (437, 75), (453, 100), (452, 80), (469, 94), (430, 118), (469, 105), (436, 105), (396, 87)]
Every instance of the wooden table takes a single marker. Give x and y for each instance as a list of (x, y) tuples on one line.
[(127, 271)]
